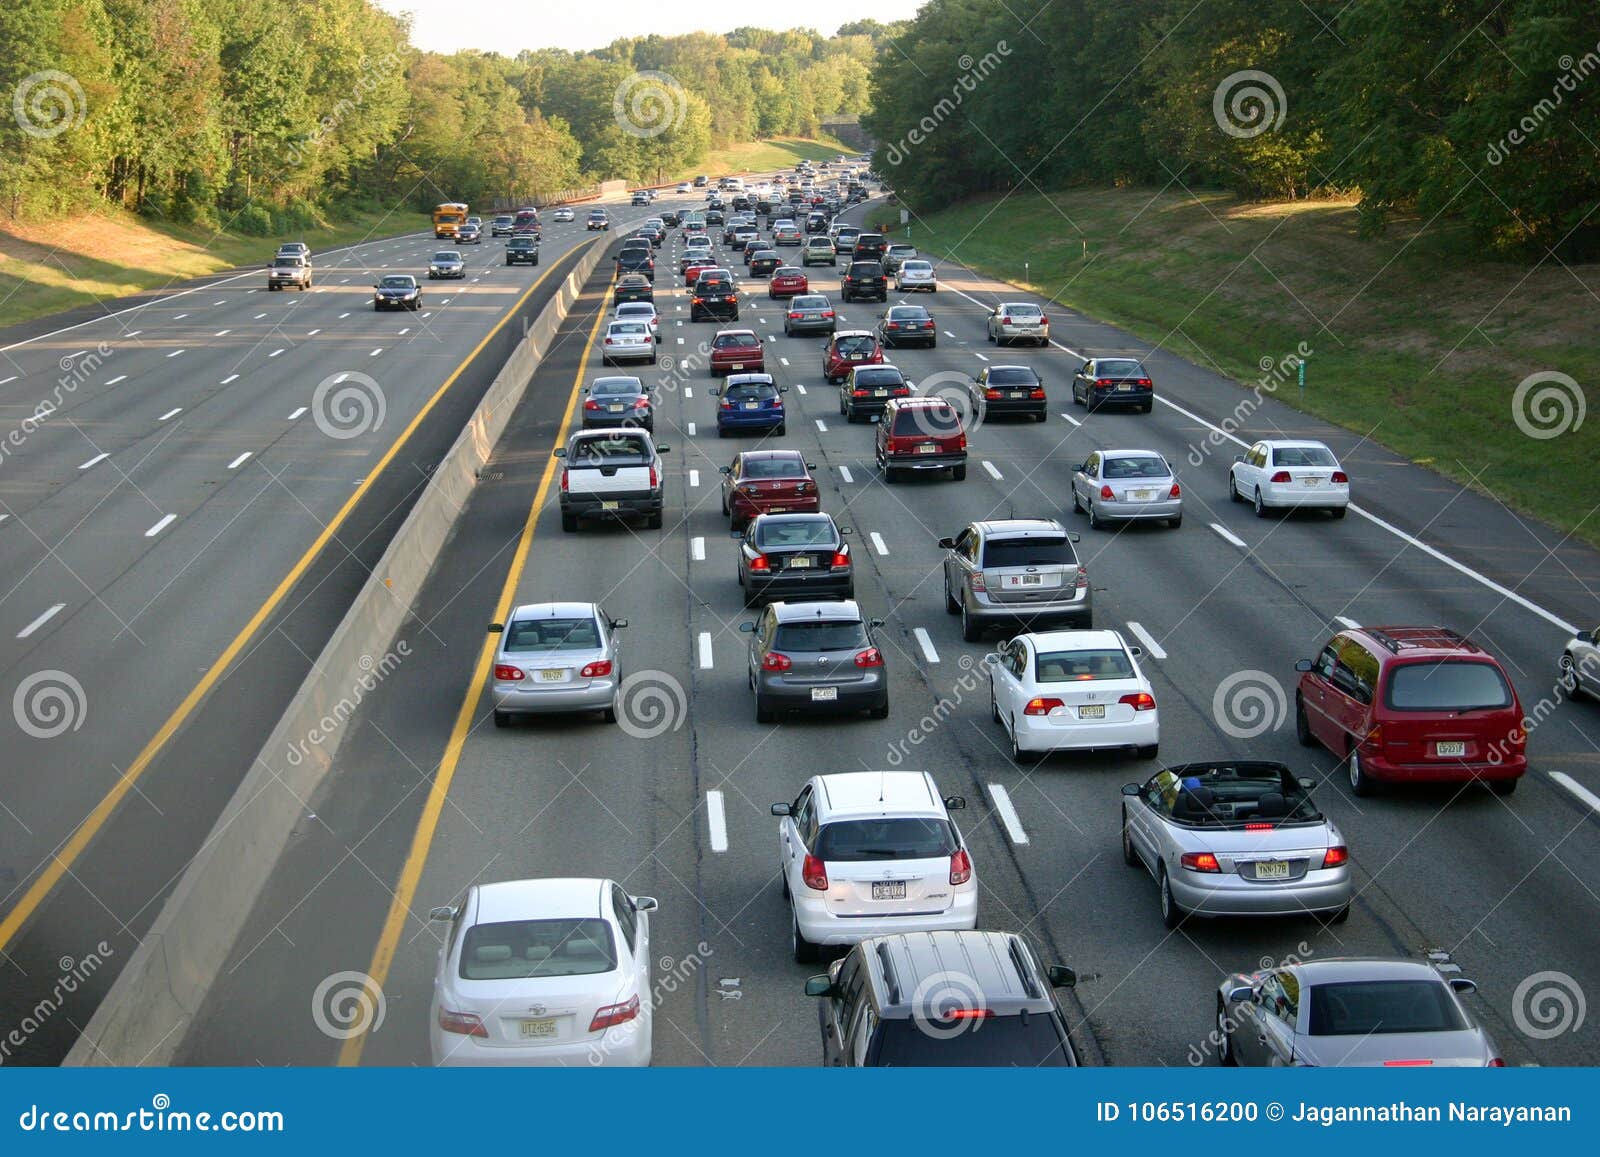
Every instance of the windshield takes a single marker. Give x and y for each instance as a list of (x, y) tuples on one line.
[(1365, 1007), (1081, 666), (781, 532), (1450, 685), (1303, 456), (820, 636), (851, 841), (551, 634), (447, 257), (999, 1041), (397, 283), (520, 949), (1151, 467), (288, 263)]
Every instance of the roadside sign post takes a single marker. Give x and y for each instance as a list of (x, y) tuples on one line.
[(1302, 373)]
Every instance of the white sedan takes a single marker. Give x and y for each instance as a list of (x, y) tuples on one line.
[(628, 340), (914, 275), (544, 972), (1277, 474), (562, 214), (1073, 691), (644, 311)]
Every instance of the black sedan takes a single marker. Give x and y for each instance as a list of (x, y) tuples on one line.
[(397, 291), (763, 261), (1113, 382), (794, 556), (633, 287), (1001, 390), (618, 401), (904, 324)]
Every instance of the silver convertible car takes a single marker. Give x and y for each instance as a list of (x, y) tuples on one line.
[(1350, 1013), (1235, 838), (555, 657)]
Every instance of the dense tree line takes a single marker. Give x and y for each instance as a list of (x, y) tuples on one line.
[(1488, 110), (262, 115)]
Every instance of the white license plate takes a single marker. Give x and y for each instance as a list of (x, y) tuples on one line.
[(1125, 388), (1019, 393), (1310, 481), (857, 357), (738, 365), (824, 694), (543, 1027), (927, 449), (752, 405), (1024, 580), (615, 409), (1141, 495), (799, 563), (552, 675), (1456, 747), (1092, 711), (1272, 870), (609, 505), (880, 393), (891, 890)]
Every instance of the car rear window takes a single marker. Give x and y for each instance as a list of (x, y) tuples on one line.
[(869, 238), (775, 533), (1303, 456), (855, 345), (1365, 1007), (517, 949), (1022, 310), (551, 634), (879, 376), (994, 1042), (1151, 467), (809, 302), (910, 313), (774, 468), (1013, 376), (613, 386), (1118, 368), (730, 340), (932, 421), (901, 838), (629, 327), (1081, 666), (618, 450), (751, 393), (837, 635), (1449, 685), (866, 269)]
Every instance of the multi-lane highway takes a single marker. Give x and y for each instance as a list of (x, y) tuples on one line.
[(429, 798), (218, 469)]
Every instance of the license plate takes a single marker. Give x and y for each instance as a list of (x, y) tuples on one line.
[(824, 694), (880, 393), (543, 1027), (891, 890), (752, 405), (1272, 869), (857, 357), (552, 674), (1141, 495), (615, 409), (1455, 747), (799, 563), (1125, 388), (1310, 481), (1024, 580), (609, 505), (927, 449), (1092, 711), (738, 365), (1019, 393)]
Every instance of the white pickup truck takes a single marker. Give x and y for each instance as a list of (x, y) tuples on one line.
[(611, 474), (286, 271)]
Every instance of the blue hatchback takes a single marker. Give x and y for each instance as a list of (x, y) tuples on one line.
[(750, 402)]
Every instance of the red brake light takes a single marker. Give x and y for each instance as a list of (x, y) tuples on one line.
[(1143, 382), (814, 873), (611, 1015), (641, 403), (1103, 381), (465, 1023), (840, 558), (760, 563), (1105, 492), (968, 1014), (1416, 1064), (776, 661), (563, 480), (1335, 856), (596, 670), (608, 341), (1175, 492), (1005, 321), (991, 392), (591, 404), (827, 313), (1200, 862), (871, 657), (1037, 393), (960, 867), (1496, 1063), (506, 673), (655, 478), (1257, 827), (794, 315), (979, 583), (1281, 476), (1139, 701), (1341, 477), (1041, 706)]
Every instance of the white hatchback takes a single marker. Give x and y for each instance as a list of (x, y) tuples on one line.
[(1073, 690), (544, 972), (872, 853), (1277, 474)]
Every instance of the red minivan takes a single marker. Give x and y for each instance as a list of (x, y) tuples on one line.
[(1412, 704), (918, 434)]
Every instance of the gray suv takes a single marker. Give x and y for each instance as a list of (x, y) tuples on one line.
[(937, 999), (1008, 572)]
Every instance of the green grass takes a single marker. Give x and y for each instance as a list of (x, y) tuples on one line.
[(1419, 340), (764, 156), (51, 266)]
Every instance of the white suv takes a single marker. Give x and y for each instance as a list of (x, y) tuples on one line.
[(871, 853)]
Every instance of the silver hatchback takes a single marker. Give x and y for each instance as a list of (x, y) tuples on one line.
[(1127, 486), (1006, 572), (816, 657), (555, 657)]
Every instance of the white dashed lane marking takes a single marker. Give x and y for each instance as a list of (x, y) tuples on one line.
[(1007, 812), (1152, 648), (926, 643)]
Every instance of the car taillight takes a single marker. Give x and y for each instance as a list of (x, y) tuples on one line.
[(1139, 701), (1175, 492), (760, 563), (1038, 706), (1200, 862), (1106, 493), (991, 392), (1257, 827), (979, 583), (1037, 393), (1044, 320), (611, 1015), (794, 315), (1496, 1063), (641, 403), (840, 558), (1336, 856), (960, 867), (1419, 1063), (1103, 382), (871, 657), (727, 403), (506, 673), (861, 393), (563, 480), (596, 670), (465, 1023), (961, 441), (696, 301), (814, 873), (608, 341), (1005, 321), (1340, 476), (591, 404), (891, 325), (1282, 476), (1143, 382), (827, 313), (776, 661)]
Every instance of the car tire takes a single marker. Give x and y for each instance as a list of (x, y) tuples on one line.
[(1148, 751), (1261, 507), (784, 882), (1077, 503), (569, 522), (971, 629), (1568, 678), (502, 719), (994, 708), (1233, 489), (1171, 914), (1343, 914), (764, 714), (1095, 521), (1338, 511), (1129, 855), (1017, 754), (610, 713), (654, 522), (1503, 787), (959, 473), (1225, 1053), (951, 606), (1302, 725), (882, 710), (803, 950), (1360, 782)]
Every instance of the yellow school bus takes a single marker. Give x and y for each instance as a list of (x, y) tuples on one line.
[(447, 218)]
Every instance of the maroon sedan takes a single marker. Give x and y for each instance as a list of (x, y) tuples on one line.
[(768, 482), (736, 351), (788, 281)]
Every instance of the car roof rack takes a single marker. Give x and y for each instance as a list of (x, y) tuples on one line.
[(1029, 984), (1396, 639), (886, 962)]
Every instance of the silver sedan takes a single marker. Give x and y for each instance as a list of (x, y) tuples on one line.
[(555, 657), (915, 275), (1350, 1013), (1235, 838), (1127, 486)]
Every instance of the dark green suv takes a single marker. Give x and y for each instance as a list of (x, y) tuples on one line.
[(523, 251)]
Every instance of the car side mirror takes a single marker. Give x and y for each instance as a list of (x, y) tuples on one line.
[(646, 904), (663, 449), (724, 469), (877, 419), (1464, 986), (843, 530), (955, 802), (496, 628), (1130, 789), (1074, 536), (560, 452), (1136, 651), (1082, 467), (715, 391), (1302, 664), (780, 809), (442, 913), (1240, 994), (947, 544), (748, 628), (783, 389), (811, 465), (618, 624), (1306, 783), (1238, 457), (874, 623), (819, 986), (1061, 976)]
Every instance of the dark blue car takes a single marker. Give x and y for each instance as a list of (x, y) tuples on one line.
[(750, 402)]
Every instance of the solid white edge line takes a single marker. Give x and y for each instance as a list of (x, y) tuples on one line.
[(717, 821), (877, 542), (705, 650), (993, 472), (239, 461), (1577, 789), (1229, 536), (1151, 647), (166, 521), (229, 378), (697, 549), (1007, 812), (118, 378), (926, 643), (40, 621)]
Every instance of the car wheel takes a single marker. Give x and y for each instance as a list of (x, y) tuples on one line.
[(1171, 914), (1225, 1055), (804, 951), (1233, 489), (1095, 521), (611, 713), (1147, 407), (1343, 914), (1129, 855), (569, 522), (1503, 787), (1017, 754), (882, 710), (1302, 725), (994, 708), (502, 719), (951, 606), (1360, 781), (1338, 511), (653, 522), (784, 879), (1148, 751), (959, 473), (1261, 507), (1569, 678), (971, 629), (1174, 523), (764, 714), (725, 509)]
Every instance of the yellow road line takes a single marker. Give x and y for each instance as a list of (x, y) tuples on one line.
[(61, 863), (422, 839)]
